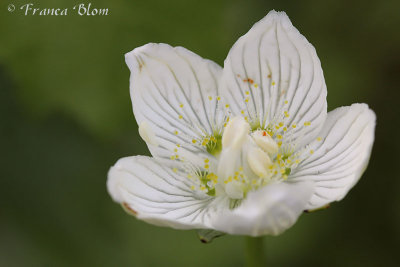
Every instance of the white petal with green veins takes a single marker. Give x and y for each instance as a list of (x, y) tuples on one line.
[(339, 155), (159, 194), (175, 92), (273, 73)]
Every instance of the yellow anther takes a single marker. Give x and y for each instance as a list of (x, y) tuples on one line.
[(247, 92), (273, 83), (206, 160), (218, 98), (242, 111), (279, 143), (311, 151), (202, 188), (281, 124), (174, 169), (178, 145), (246, 118), (227, 105), (192, 187), (227, 119), (213, 177), (256, 85), (247, 100), (206, 166), (194, 141), (319, 139), (180, 117), (279, 136), (307, 123), (284, 129), (210, 98), (175, 150), (176, 132), (294, 126), (286, 102), (240, 168), (172, 157), (181, 105)]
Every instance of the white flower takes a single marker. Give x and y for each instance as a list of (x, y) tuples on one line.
[(242, 150)]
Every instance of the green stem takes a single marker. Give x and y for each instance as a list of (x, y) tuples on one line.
[(254, 252)]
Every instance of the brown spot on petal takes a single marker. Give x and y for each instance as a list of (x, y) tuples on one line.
[(128, 209), (249, 80), (317, 209)]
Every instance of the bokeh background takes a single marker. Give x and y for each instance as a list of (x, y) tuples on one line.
[(66, 117)]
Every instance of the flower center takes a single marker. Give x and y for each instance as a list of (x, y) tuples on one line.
[(245, 152), (248, 159)]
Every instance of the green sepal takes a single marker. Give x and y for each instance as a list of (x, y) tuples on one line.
[(207, 235)]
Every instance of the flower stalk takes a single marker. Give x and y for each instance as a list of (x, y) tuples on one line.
[(255, 251)]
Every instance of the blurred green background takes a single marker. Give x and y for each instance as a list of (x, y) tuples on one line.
[(66, 117)]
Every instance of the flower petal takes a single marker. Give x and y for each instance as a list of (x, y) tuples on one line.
[(157, 192), (171, 89), (267, 211), (340, 154), (272, 73)]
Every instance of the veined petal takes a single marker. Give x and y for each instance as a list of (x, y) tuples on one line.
[(340, 155), (267, 211), (157, 192), (273, 74), (175, 92)]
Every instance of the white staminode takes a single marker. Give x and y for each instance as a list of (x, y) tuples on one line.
[(259, 162), (235, 133), (244, 149), (265, 141)]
